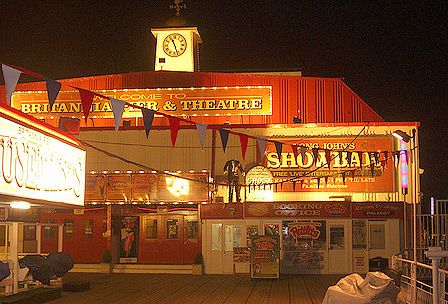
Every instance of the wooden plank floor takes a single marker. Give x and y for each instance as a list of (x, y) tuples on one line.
[(176, 288)]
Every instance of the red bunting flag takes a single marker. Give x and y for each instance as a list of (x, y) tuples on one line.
[(174, 125), (243, 140), (294, 150), (353, 173), (86, 101)]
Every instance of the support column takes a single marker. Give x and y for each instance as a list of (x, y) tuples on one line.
[(13, 255)]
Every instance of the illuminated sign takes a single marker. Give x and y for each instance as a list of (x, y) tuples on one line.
[(178, 101), (352, 167), (37, 166), (297, 209), (259, 181)]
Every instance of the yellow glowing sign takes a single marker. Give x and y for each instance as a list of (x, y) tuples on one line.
[(37, 166)]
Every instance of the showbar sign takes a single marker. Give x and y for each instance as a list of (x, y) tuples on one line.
[(352, 166), (37, 166), (255, 100)]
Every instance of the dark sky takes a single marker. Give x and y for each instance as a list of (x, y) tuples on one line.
[(393, 55)]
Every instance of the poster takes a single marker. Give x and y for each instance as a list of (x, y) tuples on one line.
[(304, 243), (265, 257), (129, 228)]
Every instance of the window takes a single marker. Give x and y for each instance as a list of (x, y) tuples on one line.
[(172, 229), (216, 236), (69, 228), (233, 237), (192, 230), (271, 230), (29, 233), (151, 228), (337, 241), (49, 231), (88, 229), (377, 236)]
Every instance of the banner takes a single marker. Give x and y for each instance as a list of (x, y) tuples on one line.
[(129, 239), (95, 188), (378, 210), (265, 257), (344, 166), (191, 188), (255, 100), (144, 187), (297, 209), (119, 187)]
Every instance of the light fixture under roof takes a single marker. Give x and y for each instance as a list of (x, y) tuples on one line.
[(402, 135), (20, 205)]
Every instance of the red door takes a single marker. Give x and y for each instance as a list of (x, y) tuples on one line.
[(169, 239)]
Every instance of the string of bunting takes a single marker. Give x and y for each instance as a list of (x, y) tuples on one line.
[(11, 75)]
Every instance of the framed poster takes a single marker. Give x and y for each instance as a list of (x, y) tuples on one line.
[(129, 239), (265, 257)]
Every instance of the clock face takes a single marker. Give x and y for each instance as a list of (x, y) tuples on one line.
[(174, 45)]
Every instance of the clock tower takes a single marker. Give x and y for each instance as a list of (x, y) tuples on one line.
[(177, 46)]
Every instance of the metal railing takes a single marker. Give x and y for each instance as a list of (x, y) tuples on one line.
[(416, 281)]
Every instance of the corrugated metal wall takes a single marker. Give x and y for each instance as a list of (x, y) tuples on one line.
[(313, 100)]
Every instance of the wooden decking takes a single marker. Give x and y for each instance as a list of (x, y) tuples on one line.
[(177, 288)]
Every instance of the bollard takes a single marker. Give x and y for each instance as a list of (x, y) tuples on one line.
[(435, 254)]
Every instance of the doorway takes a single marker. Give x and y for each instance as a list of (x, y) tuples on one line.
[(169, 239), (338, 257)]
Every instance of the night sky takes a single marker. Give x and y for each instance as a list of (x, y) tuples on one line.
[(392, 55)]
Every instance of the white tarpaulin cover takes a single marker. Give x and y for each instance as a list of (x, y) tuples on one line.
[(376, 288)]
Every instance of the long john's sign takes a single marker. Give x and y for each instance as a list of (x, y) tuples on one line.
[(37, 166), (178, 101)]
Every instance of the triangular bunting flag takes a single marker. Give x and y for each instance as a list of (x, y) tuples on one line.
[(117, 109), (11, 77), (53, 88), (383, 164), (386, 156), (328, 157), (224, 137), (294, 150), (372, 169), (148, 116), (86, 101), (303, 153), (261, 146), (300, 183), (202, 130), (340, 156), (278, 147), (275, 187), (343, 177), (315, 154), (318, 183), (326, 180), (174, 125), (293, 186), (353, 173), (243, 141), (376, 155)]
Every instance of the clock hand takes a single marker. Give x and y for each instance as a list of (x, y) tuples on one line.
[(175, 48)]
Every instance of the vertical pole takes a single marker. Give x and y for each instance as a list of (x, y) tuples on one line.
[(212, 171), (60, 237), (39, 238), (435, 280), (14, 251)]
